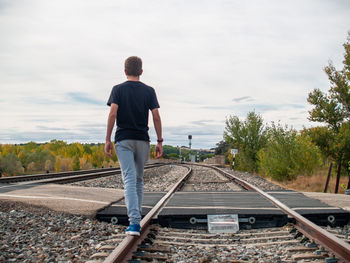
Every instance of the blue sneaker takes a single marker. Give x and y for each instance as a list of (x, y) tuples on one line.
[(133, 230)]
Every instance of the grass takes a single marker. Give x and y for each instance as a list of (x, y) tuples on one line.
[(315, 182)]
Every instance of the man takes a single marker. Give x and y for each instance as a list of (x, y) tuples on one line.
[(130, 104)]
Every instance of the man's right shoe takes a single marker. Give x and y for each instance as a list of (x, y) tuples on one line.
[(133, 229)]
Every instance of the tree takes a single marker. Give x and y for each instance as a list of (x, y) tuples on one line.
[(248, 137), (323, 137), (58, 164), (333, 108), (48, 165), (173, 156), (222, 147), (76, 163), (10, 165), (288, 154)]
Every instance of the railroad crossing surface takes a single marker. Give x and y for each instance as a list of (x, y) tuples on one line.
[(190, 209), (182, 208), (64, 198), (105, 203)]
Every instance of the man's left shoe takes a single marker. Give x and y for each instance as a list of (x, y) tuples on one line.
[(133, 229)]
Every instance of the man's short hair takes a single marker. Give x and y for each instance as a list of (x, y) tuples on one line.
[(133, 66)]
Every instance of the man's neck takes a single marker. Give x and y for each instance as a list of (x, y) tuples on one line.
[(133, 78)]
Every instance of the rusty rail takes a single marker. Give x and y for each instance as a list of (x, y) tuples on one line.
[(30, 177), (66, 177), (124, 250), (340, 248)]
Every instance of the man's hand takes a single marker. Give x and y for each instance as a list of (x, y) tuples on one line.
[(109, 148), (159, 150)]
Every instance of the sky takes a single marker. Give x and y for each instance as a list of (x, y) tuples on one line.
[(207, 60)]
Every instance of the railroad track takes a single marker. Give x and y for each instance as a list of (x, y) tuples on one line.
[(158, 244), (66, 177)]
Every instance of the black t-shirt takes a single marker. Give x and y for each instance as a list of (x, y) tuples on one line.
[(134, 100)]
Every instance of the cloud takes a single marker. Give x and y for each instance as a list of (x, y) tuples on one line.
[(258, 107), (243, 99), (40, 120), (84, 98), (60, 59), (202, 122), (45, 128), (44, 134), (275, 107), (294, 118)]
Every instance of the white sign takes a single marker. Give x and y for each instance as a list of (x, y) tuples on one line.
[(234, 151), (192, 158), (223, 223)]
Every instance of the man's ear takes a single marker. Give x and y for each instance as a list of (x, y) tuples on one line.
[(125, 72), (141, 72)]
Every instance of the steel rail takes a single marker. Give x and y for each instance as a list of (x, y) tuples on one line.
[(124, 250), (84, 177), (340, 248), (65, 175), (30, 177)]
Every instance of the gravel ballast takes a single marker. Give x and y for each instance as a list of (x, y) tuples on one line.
[(163, 177), (36, 234), (156, 179), (207, 179), (254, 180)]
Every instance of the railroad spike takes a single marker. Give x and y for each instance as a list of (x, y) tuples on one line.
[(141, 246), (311, 245), (139, 253), (331, 260)]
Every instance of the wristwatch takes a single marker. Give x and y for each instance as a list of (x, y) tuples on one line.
[(160, 140)]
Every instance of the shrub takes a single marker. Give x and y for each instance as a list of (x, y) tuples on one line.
[(10, 165), (249, 136), (287, 154)]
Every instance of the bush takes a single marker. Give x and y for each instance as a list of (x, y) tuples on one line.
[(172, 156), (307, 156), (287, 154), (249, 136), (10, 165)]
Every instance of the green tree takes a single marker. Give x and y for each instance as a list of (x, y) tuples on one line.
[(98, 156), (58, 147), (173, 156), (248, 136), (287, 154), (222, 147), (10, 165), (30, 146), (323, 137), (333, 108), (205, 156), (76, 163)]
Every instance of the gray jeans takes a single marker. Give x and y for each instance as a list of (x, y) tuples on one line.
[(132, 156)]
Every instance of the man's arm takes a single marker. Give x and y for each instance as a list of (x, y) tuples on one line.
[(158, 127), (110, 124)]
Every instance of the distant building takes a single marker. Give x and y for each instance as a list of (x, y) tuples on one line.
[(216, 160)]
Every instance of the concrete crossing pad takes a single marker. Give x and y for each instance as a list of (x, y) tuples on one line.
[(255, 211), (65, 198)]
